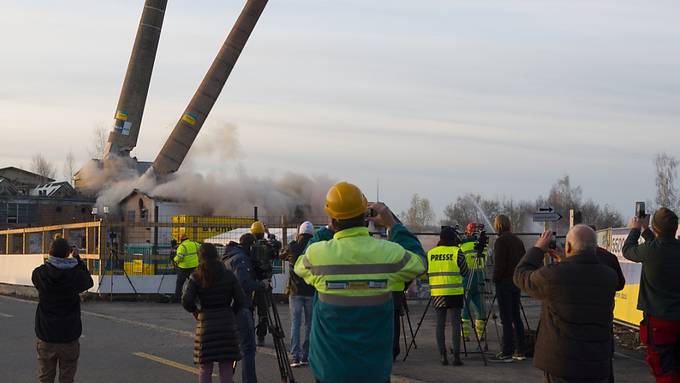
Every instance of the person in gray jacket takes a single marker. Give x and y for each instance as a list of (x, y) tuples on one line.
[(574, 338)]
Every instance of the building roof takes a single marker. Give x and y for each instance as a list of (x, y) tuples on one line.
[(52, 188), (139, 192), (6, 171), (6, 187)]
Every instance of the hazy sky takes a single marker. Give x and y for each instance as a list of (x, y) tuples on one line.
[(435, 97)]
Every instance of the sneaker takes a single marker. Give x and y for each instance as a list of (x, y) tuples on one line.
[(295, 363), (501, 358), (304, 362), (260, 341), (518, 356), (443, 359), (456, 360)]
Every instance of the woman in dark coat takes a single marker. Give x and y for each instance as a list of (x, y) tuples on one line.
[(213, 295)]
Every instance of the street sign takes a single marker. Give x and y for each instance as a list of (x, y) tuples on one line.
[(546, 214)]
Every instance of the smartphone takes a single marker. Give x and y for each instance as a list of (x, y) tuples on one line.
[(640, 210)]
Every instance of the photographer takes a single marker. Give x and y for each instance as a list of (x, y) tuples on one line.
[(659, 297), (58, 326), (262, 254), (574, 342), (237, 259), (473, 247), (352, 320)]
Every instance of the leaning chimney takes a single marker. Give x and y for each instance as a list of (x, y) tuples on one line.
[(128, 117), (183, 135)]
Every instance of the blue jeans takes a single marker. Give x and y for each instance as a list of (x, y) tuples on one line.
[(246, 329), (299, 304)]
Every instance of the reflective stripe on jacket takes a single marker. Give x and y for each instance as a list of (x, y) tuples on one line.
[(352, 321), (445, 275), (187, 255), (470, 253)]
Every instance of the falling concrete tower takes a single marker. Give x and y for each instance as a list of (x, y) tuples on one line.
[(183, 135), (128, 117)]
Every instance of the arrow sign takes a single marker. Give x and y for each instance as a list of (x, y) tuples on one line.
[(546, 215)]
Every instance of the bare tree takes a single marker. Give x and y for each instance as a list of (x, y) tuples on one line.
[(420, 215), (666, 174), (69, 167), (100, 135), (39, 165)]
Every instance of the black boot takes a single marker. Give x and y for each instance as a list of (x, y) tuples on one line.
[(444, 360), (456, 360)]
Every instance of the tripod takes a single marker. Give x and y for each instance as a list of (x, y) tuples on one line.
[(477, 275), (113, 255), (405, 313), (422, 318), (274, 324)]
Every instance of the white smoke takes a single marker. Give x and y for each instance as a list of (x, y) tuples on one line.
[(290, 194)]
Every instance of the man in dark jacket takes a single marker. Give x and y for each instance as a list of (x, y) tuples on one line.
[(659, 297), (237, 259), (575, 337), (300, 296), (508, 249), (57, 318)]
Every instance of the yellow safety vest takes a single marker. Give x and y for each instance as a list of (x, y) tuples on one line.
[(470, 253), (355, 269), (443, 270), (187, 255)]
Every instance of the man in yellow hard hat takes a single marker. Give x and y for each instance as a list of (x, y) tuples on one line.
[(352, 320), (262, 255), (186, 259)]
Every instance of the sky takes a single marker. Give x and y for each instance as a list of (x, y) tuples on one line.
[(439, 98)]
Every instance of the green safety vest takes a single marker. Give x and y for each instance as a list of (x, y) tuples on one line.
[(443, 270), (355, 269), (187, 255), (470, 253)]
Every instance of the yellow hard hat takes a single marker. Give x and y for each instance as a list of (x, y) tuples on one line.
[(345, 201), (257, 228)]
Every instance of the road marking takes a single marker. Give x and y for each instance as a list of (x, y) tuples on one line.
[(167, 362), (629, 357), (6, 315)]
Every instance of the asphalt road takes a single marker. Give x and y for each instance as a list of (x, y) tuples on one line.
[(152, 342)]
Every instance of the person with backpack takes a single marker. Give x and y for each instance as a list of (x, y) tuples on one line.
[(213, 295), (237, 259)]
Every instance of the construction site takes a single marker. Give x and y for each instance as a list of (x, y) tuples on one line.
[(125, 217)]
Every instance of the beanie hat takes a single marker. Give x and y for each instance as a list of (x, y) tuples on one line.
[(665, 222), (60, 248), (306, 228), (448, 233)]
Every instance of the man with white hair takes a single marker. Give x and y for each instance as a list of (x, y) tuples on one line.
[(300, 296), (575, 338)]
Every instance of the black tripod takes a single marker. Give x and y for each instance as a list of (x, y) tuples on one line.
[(274, 324), (113, 256), (422, 318), (405, 313)]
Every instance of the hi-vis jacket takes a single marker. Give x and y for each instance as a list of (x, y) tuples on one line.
[(187, 254), (352, 321), (446, 268), (470, 253)]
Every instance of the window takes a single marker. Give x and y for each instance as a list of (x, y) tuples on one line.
[(12, 213), (131, 216), (17, 212)]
